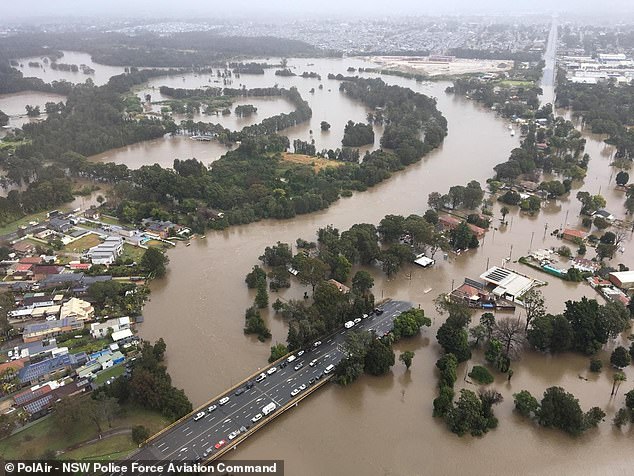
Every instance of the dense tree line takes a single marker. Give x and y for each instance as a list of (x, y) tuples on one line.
[(406, 114), (584, 326), (607, 107), (357, 134), (558, 409), (200, 48), (150, 385)]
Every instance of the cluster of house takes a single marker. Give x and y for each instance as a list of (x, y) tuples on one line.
[(53, 373), (498, 289), (45, 368), (591, 70)]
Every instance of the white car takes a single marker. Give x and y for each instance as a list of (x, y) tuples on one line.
[(211, 408), (260, 377), (272, 370), (317, 344), (223, 400), (233, 434), (349, 324), (295, 392), (365, 316), (256, 418), (357, 320), (313, 362), (302, 387), (199, 415), (300, 353)]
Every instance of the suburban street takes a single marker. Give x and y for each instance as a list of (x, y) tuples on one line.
[(191, 440)]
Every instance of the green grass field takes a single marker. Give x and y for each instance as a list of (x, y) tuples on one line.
[(13, 226), (110, 449), (132, 252), (48, 436), (82, 244), (111, 372)]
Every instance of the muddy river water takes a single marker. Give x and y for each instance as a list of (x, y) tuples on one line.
[(382, 426)]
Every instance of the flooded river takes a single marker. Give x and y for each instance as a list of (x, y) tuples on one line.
[(383, 426)]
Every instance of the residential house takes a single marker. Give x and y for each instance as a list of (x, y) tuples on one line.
[(47, 368), (39, 347), (449, 222), (508, 284), (21, 271), (99, 330), (60, 225), (77, 309), (42, 271), (23, 247), (44, 330), (160, 228), (106, 252), (92, 214), (604, 214), (573, 235)]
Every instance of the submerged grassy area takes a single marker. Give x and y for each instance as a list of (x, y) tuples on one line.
[(46, 436), (509, 83)]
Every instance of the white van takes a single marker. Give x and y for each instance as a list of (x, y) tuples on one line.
[(349, 324), (290, 359), (329, 369), (269, 408)]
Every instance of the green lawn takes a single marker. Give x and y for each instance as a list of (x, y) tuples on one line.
[(85, 344), (110, 449), (132, 252), (111, 372), (47, 435), (110, 220), (82, 244), (13, 226)]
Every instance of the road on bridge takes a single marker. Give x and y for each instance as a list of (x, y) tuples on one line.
[(191, 440)]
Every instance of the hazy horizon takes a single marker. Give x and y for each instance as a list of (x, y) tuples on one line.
[(204, 10)]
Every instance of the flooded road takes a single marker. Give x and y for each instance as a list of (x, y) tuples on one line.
[(383, 426)]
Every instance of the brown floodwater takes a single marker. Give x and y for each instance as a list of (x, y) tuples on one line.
[(383, 426), (14, 105), (101, 75)]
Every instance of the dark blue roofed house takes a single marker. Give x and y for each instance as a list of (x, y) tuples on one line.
[(47, 368), (60, 225), (62, 280), (77, 282)]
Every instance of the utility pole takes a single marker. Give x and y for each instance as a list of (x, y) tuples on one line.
[(531, 245)]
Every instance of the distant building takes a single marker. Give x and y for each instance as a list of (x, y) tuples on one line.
[(622, 279), (23, 247)]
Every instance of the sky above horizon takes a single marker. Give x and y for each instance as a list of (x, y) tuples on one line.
[(208, 9)]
